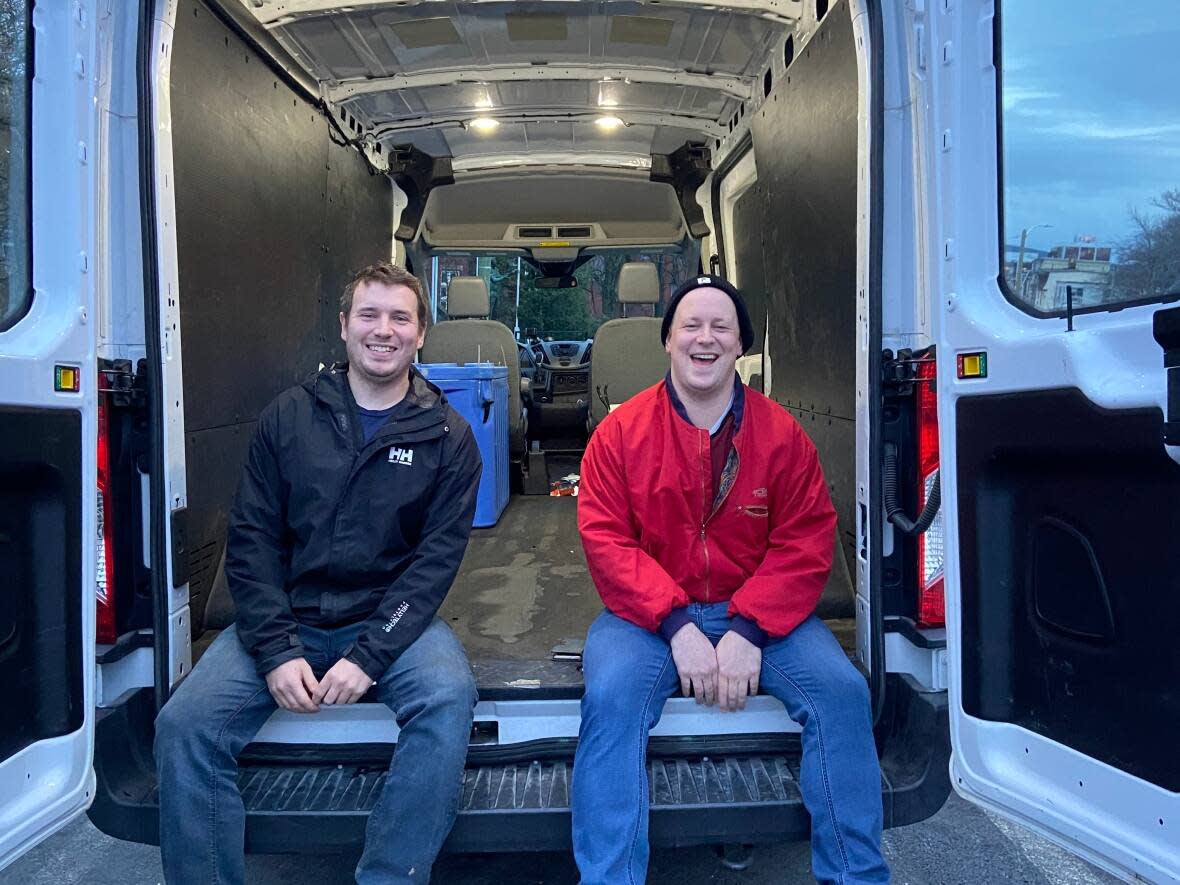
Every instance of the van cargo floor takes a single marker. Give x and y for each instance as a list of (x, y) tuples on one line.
[(522, 589)]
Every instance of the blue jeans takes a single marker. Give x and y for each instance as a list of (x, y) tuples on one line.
[(629, 675), (219, 708)]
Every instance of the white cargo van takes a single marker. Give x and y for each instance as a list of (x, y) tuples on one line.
[(925, 205)]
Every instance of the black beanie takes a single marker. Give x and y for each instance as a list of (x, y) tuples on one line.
[(709, 282)]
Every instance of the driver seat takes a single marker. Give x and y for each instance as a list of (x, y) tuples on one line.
[(470, 337), (627, 356)]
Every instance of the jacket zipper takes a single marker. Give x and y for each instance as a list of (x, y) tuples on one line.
[(708, 519), (704, 541)]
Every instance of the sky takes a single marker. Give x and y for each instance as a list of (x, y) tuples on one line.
[(1091, 115)]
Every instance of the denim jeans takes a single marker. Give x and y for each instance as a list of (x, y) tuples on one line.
[(219, 708), (629, 674)]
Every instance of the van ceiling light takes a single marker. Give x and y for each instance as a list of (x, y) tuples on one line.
[(606, 98), (609, 123), (484, 124)]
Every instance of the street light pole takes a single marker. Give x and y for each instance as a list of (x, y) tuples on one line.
[(1020, 258)]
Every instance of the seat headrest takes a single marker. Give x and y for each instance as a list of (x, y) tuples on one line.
[(639, 283), (467, 297)]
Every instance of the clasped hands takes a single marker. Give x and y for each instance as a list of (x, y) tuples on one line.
[(295, 688), (725, 675)]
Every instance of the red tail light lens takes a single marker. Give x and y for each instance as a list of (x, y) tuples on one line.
[(931, 547), (104, 585)]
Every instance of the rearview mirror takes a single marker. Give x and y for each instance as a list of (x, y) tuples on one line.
[(565, 282)]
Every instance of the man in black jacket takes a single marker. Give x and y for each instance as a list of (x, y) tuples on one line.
[(349, 526)]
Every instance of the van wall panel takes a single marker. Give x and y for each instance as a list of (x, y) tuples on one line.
[(805, 141), (272, 217), (805, 147)]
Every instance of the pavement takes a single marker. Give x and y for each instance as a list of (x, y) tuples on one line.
[(960, 845)]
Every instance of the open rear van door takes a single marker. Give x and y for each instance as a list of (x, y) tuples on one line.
[(1061, 493), (51, 484)]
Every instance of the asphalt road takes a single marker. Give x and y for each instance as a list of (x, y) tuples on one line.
[(960, 844)]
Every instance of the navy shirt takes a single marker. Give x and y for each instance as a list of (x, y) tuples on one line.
[(373, 420)]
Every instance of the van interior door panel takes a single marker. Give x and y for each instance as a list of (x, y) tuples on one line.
[(805, 146), (1070, 610), (269, 206), (41, 564)]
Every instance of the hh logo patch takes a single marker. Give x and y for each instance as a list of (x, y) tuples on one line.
[(759, 493), (401, 456)]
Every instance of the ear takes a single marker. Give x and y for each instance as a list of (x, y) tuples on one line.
[(668, 345), (421, 337), (343, 327)]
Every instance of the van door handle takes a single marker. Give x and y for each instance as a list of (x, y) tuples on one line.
[(1166, 328)]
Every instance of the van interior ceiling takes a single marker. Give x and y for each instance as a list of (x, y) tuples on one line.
[(562, 138)]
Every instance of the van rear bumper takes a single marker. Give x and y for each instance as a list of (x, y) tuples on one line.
[(312, 805)]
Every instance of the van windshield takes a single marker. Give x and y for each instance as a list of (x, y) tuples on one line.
[(534, 311)]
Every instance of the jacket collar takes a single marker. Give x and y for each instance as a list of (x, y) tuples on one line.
[(737, 408), (330, 387)]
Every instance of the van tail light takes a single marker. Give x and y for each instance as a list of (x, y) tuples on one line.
[(104, 585), (931, 546)]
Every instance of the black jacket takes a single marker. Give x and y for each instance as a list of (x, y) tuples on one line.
[(326, 531)]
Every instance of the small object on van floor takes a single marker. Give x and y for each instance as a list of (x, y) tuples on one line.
[(569, 650), (567, 486)]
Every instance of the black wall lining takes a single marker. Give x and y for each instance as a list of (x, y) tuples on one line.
[(273, 216), (795, 241)]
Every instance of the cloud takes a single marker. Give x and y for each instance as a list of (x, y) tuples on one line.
[(1098, 129), (1016, 96)]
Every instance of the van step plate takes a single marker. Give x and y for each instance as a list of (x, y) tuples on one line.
[(535, 785), (526, 806)]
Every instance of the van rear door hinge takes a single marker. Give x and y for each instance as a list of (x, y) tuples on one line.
[(127, 389), (898, 372)]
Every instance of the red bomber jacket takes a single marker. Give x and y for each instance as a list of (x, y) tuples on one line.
[(655, 541)]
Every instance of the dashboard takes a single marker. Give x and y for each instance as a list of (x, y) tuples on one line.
[(562, 370), (562, 354)]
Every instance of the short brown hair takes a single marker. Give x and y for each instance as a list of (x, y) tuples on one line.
[(388, 275)]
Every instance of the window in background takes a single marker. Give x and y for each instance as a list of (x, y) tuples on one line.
[(15, 266), (561, 314), (1091, 153)]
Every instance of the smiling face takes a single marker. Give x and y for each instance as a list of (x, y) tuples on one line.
[(704, 342), (382, 333)]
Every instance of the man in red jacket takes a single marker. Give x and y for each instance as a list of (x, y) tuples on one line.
[(709, 532)]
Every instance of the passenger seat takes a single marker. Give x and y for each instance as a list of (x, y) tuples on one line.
[(470, 337), (627, 356)]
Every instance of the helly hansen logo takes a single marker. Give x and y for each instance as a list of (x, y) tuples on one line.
[(401, 456), (397, 616)]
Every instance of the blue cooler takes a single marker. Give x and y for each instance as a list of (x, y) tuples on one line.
[(479, 392)]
